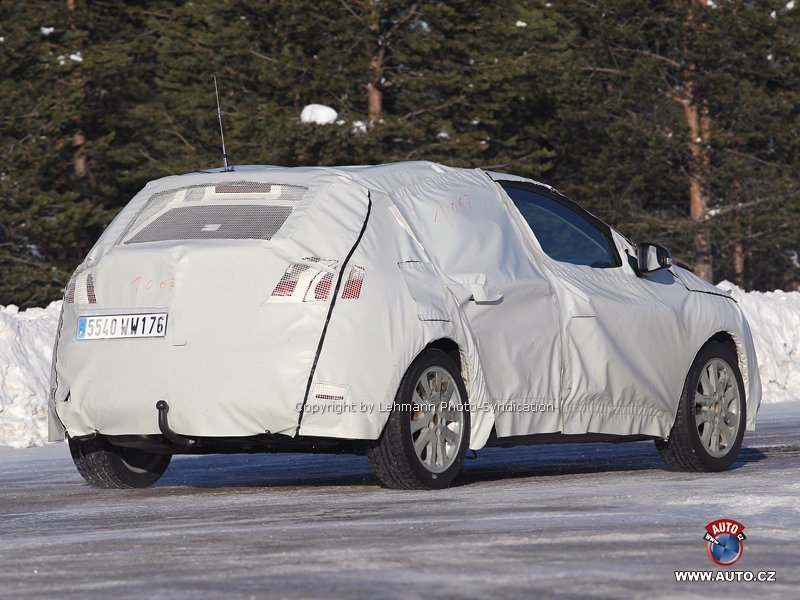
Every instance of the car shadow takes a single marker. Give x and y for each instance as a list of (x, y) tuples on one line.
[(579, 459), (491, 465), (267, 470)]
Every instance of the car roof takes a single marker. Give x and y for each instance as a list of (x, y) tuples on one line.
[(384, 177)]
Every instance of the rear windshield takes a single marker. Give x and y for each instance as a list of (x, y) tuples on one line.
[(231, 211)]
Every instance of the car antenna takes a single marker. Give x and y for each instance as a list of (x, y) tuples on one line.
[(221, 132)]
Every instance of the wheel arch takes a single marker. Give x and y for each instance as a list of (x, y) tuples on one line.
[(482, 419), (683, 449), (726, 338), (466, 367), (730, 340), (452, 349), (446, 345)]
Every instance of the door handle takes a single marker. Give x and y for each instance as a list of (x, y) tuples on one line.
[(472, 287), (483, 294)]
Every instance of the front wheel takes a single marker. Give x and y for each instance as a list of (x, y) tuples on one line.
[(114, 467), (711, 417), (426, 438)]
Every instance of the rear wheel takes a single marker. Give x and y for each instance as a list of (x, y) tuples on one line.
[(711, 418), (426, 438), (114, 467)]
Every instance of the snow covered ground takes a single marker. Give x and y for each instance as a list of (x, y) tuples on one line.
[(592, 521), (26, 341), (775, 321), (26, 348)]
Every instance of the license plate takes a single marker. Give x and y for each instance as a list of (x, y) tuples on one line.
[(114, 327)]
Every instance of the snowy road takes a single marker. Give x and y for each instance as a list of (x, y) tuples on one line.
[(592, 521)]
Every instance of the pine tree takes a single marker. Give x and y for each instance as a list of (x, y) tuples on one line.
[(607, 100), (691, 117), (46, 216)]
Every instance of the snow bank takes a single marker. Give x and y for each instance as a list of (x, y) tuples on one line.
[(319, 114), (774, 318), (26, 342), (26, 348)]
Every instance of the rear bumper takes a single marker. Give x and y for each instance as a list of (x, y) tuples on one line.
[(226, 382), (245, 378)]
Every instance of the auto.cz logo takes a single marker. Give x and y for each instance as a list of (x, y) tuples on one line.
[(725, 539), (763, 576), (724, 545)]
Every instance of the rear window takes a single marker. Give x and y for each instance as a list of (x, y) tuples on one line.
[(232, 210)]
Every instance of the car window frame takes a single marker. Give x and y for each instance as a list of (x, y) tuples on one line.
[(576, 208)]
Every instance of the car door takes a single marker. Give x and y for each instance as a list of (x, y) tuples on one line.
[(504, 299), (621, 355)]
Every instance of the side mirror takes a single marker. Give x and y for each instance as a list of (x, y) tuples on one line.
[(652, 257)]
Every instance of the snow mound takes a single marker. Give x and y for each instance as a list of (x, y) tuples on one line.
[(774, 318), (26, 349), (26, 346), (319, 114)]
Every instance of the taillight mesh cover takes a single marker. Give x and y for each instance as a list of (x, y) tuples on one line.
[(69, 297), (288, 282), (322, 290), (81, 288), (304, 282), (352, 287), (90, 295)]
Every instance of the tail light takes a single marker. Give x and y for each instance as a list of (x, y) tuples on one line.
[(301, 282), (323, 289), (352, 288), (81, 288), (288, 282), (69, 297), (90, 295)]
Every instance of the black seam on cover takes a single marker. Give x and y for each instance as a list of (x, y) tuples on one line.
[(330, 312)]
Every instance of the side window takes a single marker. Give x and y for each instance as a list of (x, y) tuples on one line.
[(564, 234)]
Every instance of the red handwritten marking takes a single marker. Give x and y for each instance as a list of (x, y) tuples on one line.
[(168, 283), (463, 204), (444, 212)]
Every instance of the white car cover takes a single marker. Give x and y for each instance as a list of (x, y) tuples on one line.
[(296, 298)]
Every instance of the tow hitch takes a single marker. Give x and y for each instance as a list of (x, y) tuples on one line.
[(163, 424)]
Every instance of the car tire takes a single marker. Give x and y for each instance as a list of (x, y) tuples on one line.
[(712, 414), (427, 435), (114, 467)]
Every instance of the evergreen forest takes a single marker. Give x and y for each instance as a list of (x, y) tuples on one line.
[(676, 121)]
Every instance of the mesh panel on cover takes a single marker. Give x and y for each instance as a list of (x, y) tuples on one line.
[(229, 210)]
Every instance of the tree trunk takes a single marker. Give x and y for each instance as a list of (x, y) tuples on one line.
[(79, 162), (696, 112), (374, 102), (738, 264), (375, 70)]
